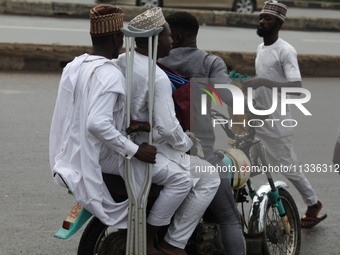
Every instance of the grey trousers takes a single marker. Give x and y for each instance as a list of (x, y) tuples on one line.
[(224, 211), (280, 152)]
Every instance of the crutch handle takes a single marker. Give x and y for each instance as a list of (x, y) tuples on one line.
[(135, 32)]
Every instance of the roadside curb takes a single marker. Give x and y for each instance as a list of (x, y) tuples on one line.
[(312, 5), (207, 17), (40, 57)]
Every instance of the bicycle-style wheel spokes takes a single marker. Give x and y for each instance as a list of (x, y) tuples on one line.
[(276, 240)]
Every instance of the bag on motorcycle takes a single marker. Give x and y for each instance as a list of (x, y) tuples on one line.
[(240, 169), (181, 95)]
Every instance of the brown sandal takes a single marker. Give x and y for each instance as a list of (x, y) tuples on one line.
[(311, 219), (309, 222)]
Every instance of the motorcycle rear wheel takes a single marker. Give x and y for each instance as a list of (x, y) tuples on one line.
[(99, 239)]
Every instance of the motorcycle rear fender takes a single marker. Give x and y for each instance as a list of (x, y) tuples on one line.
[(259, 208), (76, 218)]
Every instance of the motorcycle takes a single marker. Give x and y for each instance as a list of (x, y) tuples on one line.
[(271, 227)]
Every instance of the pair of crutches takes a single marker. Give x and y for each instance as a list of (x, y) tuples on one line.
[(136, 234)]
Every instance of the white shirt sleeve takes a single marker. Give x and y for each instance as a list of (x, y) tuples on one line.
[(291, 66), (101, 124), (165, 119)]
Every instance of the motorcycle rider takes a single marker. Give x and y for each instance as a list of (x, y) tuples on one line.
[(186, 59)]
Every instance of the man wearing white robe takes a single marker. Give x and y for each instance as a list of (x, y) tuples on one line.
[(168, 136), (88, 120), (277, 66)]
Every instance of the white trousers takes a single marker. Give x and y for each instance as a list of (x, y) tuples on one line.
[(193, 207), (280, 152), (176, 182)]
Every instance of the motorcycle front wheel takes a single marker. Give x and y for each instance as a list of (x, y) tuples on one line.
[(276, 241), (99, 239)]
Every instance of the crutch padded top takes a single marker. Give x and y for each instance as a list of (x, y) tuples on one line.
[(135, 32)]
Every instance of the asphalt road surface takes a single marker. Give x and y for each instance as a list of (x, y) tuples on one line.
[(33, 207), (47, 30)]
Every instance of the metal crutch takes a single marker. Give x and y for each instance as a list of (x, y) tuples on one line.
[(136, 234)]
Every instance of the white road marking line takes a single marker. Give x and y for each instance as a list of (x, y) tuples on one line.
[(321, 41), (10, 92), (46, 28)]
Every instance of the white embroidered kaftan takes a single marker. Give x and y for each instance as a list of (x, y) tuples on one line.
[(87, 123)]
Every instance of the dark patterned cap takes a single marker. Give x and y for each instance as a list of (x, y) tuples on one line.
[(105, 19), (275, 8)]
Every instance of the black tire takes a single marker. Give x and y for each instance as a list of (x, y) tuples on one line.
[(98, 240), (244, 6), (275, 240), (150, 3)]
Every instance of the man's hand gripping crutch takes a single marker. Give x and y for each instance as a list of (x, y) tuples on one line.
[(136, 238)]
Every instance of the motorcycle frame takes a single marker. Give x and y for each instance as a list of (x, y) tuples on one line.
[(136, 240), (268, 193), (259, 207)]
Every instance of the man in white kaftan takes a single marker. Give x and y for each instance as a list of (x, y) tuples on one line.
[(277, 66), (168, 136), (88, 120)]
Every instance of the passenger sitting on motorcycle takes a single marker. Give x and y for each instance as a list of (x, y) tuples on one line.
[(187, 60), (172, 143), (88, 120)]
